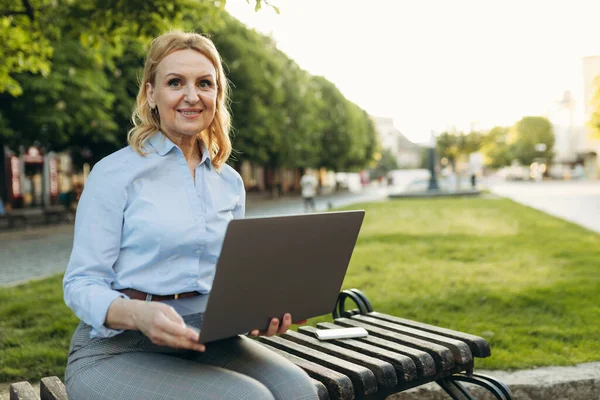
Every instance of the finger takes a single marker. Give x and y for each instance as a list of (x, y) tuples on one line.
[(188, 344), (255, 332), (285, 323), (273, 326), (190, 333), (180, 342), (176, 328), (199, 347)]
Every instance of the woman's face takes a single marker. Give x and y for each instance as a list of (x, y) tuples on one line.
[(185, 92)]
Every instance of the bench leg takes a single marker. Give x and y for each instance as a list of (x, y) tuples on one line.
[(486, 379), (453, 387), (455, 390)]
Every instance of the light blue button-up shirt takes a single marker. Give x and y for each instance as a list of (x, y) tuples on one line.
[(145, 223)]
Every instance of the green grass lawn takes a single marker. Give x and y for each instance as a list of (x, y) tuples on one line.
[(527, 282)]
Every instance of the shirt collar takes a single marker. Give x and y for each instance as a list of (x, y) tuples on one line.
[(160, 143), (163, 145), (205, 156)]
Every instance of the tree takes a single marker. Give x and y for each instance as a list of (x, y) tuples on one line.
[(495, 147), (386, 163), (336, 143), (471, 142), (302, 130), (84, 100), (73, 100), (256, 74), (532, 138), (282, 116), (30, 29), (448, 147), (456, 146)]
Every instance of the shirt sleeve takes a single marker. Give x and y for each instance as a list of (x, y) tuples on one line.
[(240, 209), (96, 246)]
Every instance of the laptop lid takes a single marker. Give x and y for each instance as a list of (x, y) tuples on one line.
[(272, 265)]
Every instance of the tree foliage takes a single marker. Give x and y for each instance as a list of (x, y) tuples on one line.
[(69, 81), (30, 30), (456, 146), (496, 148), (386, 163), (526, 134)]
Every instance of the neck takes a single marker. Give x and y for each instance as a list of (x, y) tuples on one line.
[(187, 144)]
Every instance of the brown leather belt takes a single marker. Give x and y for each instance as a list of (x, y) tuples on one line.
[(137, 295)]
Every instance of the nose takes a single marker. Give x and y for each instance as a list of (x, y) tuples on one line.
[(191, 94)]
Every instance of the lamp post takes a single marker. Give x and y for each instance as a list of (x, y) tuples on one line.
[(433, 185)]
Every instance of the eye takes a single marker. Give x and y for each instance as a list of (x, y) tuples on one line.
[(205, 84), (174, 82)]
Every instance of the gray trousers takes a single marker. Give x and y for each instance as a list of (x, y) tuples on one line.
[(129, 366)]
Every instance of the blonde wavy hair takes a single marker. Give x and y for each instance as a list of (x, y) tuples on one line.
[(146, 123)]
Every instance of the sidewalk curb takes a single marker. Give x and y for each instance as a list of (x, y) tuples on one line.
[(579, 382)]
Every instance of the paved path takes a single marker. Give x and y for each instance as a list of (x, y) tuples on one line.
[(37, 252), (575, 201)]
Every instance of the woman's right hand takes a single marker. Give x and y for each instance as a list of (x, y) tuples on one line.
[(165, 327)]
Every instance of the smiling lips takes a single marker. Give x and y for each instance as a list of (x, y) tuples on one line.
[(190, 112)]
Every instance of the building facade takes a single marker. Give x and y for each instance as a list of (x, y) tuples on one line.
[(407, 153), (31, 178)]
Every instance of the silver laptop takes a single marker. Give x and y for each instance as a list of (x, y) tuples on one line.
[(272, 265)]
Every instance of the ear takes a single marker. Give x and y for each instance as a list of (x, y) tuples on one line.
[(150, 95)]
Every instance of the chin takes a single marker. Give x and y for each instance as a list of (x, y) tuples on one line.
[(189, 131)]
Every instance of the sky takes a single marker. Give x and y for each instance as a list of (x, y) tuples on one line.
[(436, 64)]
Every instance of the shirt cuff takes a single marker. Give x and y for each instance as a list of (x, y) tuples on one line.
[(100, 308)]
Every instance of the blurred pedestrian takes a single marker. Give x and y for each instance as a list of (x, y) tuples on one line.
[(149, 227), (309, 184)]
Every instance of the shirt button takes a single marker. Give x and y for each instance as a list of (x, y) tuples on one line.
[(198, 251)]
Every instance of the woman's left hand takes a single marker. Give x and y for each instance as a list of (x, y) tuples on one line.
[(275, 327)]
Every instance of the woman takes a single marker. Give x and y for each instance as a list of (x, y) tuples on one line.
[(149, 226)]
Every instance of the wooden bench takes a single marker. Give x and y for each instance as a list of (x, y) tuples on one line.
[(48, 214), (51, 388), (55, 212), (21, 216), (397, 355)]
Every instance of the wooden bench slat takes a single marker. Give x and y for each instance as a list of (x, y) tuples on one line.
[(384, 372), (322, 392), (441, 355), (22, 391), (423, 361), (51, 388), (460, 350), (338, 386), (363, 379), (405, 367), (478, 345)]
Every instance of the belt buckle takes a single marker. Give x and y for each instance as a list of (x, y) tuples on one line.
[(176, 296)]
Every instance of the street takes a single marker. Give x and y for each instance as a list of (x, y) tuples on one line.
[(574, 201)]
